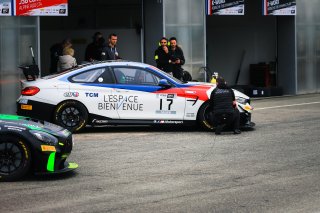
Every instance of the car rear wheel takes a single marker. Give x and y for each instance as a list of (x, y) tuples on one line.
[(71, 115), (15, 158), (205, 117)]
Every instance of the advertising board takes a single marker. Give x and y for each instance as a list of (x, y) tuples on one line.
[(279, 7), (40, 7), (225, 7), (5, 7)]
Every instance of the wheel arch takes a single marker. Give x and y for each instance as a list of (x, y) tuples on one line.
[(21, 136), (201, 117), (201, 108)]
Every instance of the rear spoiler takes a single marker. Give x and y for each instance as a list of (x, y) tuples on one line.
[(31, 72)]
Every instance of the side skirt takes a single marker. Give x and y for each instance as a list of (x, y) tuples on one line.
[(101, 121)]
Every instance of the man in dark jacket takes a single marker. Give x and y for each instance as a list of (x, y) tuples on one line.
[(223, 103), (162, 57), (112, 47), (176, 58), (92, 50), (109, 51)]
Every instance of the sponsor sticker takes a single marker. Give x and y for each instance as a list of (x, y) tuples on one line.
[(167, 96), (166, 112), (167, 122), (92, 95), (16, 128), (46, 148), (190, 115), (23, 101), (101, 121), (26, 107), (120, 102), (191, 92), (71, 94)]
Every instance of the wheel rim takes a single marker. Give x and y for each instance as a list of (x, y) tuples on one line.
[(71, 117), (10, 158)]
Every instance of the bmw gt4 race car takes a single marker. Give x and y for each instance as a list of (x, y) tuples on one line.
[(31, 145), (120, 92)]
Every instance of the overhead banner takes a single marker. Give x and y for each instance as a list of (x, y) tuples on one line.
[(5, 8), (40, 7), (225, 7), (279, 7)]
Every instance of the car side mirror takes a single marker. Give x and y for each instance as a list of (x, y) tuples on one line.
[(164, 83)]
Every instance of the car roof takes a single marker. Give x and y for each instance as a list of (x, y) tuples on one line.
[(97, 64)]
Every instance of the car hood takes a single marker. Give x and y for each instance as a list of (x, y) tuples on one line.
[(212, 86), (33, 124)]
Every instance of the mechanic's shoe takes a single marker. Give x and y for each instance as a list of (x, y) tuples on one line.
[(237, 131), (218, 130)]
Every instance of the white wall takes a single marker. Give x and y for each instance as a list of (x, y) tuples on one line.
[(129, 44)]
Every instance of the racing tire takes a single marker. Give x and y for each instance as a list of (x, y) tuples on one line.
[(15, 158), (205, 117), (71, 115)]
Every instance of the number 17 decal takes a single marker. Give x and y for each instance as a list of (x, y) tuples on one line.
[(169, 105)]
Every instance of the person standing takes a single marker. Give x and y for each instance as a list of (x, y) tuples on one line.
[(92, 50), (110, 52), (66, 61), (176, 58), (162, 57), (56, 50), (224, 106)]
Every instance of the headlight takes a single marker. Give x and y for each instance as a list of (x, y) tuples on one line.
[(242, 101), (45, 137)]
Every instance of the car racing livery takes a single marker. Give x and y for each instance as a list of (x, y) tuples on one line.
[(120, 92), (31, 145)]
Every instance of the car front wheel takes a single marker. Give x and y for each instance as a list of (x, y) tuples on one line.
[(71, 115), (205, 117), (15, 158)]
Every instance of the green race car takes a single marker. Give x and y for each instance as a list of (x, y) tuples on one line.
[(28, 144)]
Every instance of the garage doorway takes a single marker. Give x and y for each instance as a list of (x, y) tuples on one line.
[(122, 17)]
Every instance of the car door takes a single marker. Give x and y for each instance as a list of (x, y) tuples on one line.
[(94, 88), (139, 96)]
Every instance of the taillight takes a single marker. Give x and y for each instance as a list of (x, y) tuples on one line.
[(30, 91)]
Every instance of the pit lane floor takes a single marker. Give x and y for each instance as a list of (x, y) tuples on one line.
[(275, 168)]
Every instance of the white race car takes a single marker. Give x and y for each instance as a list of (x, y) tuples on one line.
[(120, 92)]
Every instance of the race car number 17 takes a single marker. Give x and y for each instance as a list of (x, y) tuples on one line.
[(170, 102)]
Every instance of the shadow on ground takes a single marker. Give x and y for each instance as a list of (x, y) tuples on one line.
[(138, 128)]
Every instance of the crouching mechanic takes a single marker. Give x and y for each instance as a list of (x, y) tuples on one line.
[(225, 111)]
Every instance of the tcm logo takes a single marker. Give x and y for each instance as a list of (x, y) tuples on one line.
[(71, 94), (92, 95)]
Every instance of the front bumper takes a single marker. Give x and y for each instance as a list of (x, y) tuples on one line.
[(67, 167), (52, 159), (245, 121)]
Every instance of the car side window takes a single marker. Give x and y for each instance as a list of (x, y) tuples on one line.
[(135, 76), (91, 76), (106, 77)]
